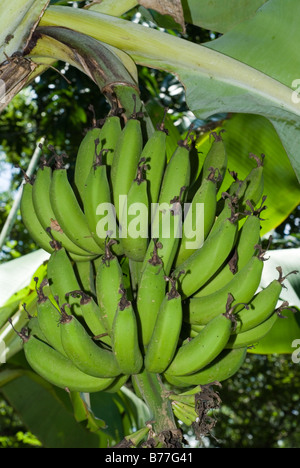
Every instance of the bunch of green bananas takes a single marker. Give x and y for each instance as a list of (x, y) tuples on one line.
[(188, 314)]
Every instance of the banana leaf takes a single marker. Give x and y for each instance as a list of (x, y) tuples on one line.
[(16, 275), (244, 134), (47, 412)]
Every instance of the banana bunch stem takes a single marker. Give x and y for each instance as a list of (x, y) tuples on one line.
[(153, 393), (113, 71)]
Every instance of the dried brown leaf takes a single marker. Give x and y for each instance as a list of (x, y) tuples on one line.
[(172, 8), (14, 73)]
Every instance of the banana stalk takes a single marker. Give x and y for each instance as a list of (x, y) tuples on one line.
[(153, 393), (113, 71)]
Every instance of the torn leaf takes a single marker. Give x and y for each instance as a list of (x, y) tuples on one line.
[(14, 73)]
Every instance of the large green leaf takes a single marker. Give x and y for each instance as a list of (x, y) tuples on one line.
[(245, 134), (280, 339), (123, 412), (219, 15), (17, 274), (282, 336), (46, 413)]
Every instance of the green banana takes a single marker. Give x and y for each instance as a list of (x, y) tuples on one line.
[(68, 212), (166, 215), (203, 205), (187, 399), (204, 348), (242, 287), (85, 159), (164, 340), (62, 278), (168, 230), (177, 173), (34, 329), (182, 416), (125, 340), (127, 155), (92, 316), (134, 240), (229, 200), (134, 440), (109, 276), (154, 154), (118, 383), (85, 273), (254, 335), (224, 366), (97, 201), (192, 391), (262, 305), (254, 182), (108, 136), (194, 330), (60, 371), (45, 213), (85, 354), (31, 221), (206, 261), (248, 237), (184, 412), (216, 157), (48, 317), (151, 292)]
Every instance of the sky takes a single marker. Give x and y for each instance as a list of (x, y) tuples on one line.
[(5, 174)]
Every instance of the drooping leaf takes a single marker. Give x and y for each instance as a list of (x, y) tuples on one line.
[(274, 27), (140, 411), (105, 407), (17, 274), (46, 415), (122, 411)]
